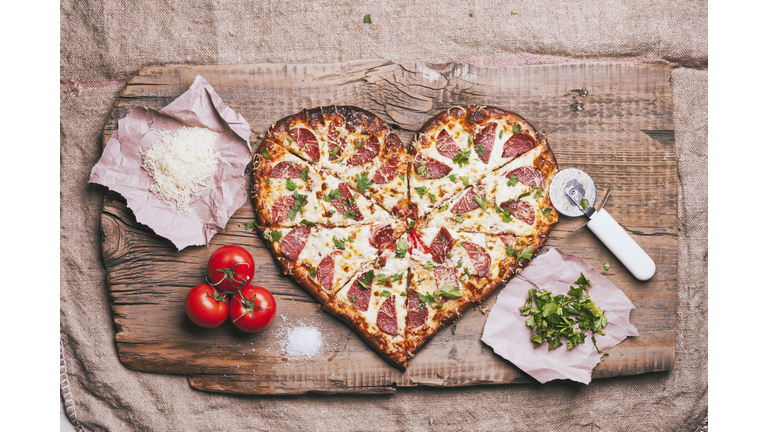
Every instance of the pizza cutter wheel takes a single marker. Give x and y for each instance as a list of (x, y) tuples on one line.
[(572, 193)]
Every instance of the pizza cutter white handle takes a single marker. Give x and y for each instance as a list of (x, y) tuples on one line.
[(621, 244)]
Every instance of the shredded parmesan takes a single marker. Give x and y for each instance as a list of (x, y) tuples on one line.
[(182, 164)]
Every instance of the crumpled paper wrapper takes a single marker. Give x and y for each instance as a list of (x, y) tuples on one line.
[(506, 332), (120, 169)]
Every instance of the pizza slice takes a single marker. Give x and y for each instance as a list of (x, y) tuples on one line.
[(512, 200), (458, 147), (288, 191), (352, 144), (373, 304), (323, 259)]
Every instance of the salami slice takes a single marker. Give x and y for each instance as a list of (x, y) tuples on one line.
[(326, 270), (530, 176), (441, 245), (346, 205), (446, 145), (521, 210), (367, 152), (286, 169), (485, 140), (293, 243), (518, 144), (359, 295), (481, 261), (446, 276), (387, 317), (281, 208), (387, 171), (307, 142), (417, 310), (428, 168), (382, 236), (467, 202)]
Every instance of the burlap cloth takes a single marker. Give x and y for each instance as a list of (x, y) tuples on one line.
[(103, 42)]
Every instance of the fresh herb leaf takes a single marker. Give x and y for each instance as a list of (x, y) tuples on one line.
[(451, 292), (606, 266), (432, 197), (308, 223), (512, 180), (471, 15), (421, 190), (443, 208), (546, 211), (461, 159), (401, 177), (465, 180), (251, 225), (385, 293), (511, 251), (365, 283), (452, 177), (367, 19), (482, 202), (453, 329), (525, 253), (334, 152), (298, 205), (313, 272), (466, 271), (275, 236), (470, 141), (459, 218), (359, 144), (402, 248), (538, 193), (480, 150), (268, 180), (403, 294), (429, 265), (290, 185), (353, 299), (305, 175), (422, 168), (516, 128), (362, 181), (501, 132), (349, 214), (522, 195), (332, 195), (339, 243)]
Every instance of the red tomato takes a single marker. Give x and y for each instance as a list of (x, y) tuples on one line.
[(230, 267), (206, 307), (252, 309)]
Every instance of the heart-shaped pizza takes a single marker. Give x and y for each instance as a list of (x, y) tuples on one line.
[(398, 241)]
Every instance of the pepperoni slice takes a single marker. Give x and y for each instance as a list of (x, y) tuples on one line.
[(387, 318), (446, 145), (509, 240), (346, 203), (326, 270), (467, 201), (521, 210), (335, 143), (441, 245), (417, 310), (481, 261), (518, 144), (387, 172), (293, 242), (286, 170), (529, 175), (360, 294), (428, 168), (281, 209), (404, 211), (367, 152), (307, 141), (485, 139), (382, 236)]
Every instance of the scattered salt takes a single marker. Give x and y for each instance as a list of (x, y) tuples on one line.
[(301, 341)]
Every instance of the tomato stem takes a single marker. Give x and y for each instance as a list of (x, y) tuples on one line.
[(230, 275)]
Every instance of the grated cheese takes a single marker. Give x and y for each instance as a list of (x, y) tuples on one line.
[(182, 164)]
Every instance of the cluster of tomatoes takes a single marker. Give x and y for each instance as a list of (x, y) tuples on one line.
[(230, 270)]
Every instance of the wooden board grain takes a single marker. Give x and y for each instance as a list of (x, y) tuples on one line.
[(623, 137)]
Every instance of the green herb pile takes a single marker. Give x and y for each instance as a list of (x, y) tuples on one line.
[(553, 317)]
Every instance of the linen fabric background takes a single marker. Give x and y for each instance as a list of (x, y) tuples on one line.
[(104, 42)]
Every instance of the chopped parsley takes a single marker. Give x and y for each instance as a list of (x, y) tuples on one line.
[(570, 316), (385, 293), (401, 248), (274, 236), (365, 283), (465, 180), (265, 153), (422, 168), (290, 185), (432, 197), (512, 180), (482, 202), (459, 218), (501, 132), (298, 205), (332, 195), (511, 251), (453, 329), (452, 177), (606, 266), (362, 181), (359, 144), (305, 175), (400, 176), (382, 279), (353, 299), (522, 195), (546, 211), (461, 159), (349, 215), (525, 253), (313, 272), (421, 191), (451, 292), (334, 152), (339, 243), (443, 208), (480, 150), (516, 128), (367, 19), (251, 225), (429, 265), (537, 193), (308, 223)]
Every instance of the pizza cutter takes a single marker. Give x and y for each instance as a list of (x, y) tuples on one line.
[(572, 192)]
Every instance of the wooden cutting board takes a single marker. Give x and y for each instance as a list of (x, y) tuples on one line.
[(623, 137)]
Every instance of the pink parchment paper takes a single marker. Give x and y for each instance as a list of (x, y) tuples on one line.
[(120, 169), (506, 332)]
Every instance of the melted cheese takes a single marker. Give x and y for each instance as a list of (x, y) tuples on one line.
[(182, 164)]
